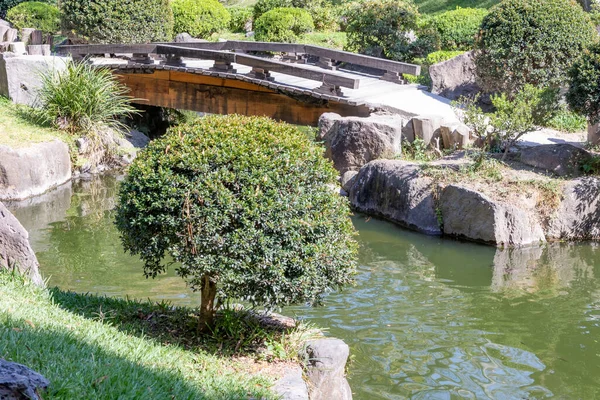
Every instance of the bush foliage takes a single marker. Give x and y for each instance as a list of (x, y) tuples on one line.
[(531, 41), (584, 85), (242, 203), (457, 28), (6, 5), (35, 14), (240, 17), (380, 28), (200, 18), (283, 25), (118, 21)]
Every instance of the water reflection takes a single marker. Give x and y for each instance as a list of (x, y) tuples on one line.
[(428, 318)]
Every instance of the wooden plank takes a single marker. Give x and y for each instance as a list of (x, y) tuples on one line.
[(189, 52), (196, 45), (366, 61), (83, 49), (327, 77), (264, 46), (213, 81)]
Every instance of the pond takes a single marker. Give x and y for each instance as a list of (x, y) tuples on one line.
[(428, 318)]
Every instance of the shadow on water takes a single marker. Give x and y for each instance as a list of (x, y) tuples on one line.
[(428, 318)]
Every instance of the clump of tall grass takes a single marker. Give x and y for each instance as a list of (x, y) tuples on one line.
[(83, 98)]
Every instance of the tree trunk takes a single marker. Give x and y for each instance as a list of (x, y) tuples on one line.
[(593, 133), (207, 304)]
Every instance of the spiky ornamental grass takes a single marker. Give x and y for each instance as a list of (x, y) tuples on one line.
[(245, 206)]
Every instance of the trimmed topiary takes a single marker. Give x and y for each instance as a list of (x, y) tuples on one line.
[(200, 18), (283, 25), (240, 18), (584, 85), (531, 41), (244, 207), (381, 28), (457, 28), (6, 5), (35, 14), (118, 21)]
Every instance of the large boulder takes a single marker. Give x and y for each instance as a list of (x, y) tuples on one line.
[(325, 366), (471, 215), (561, 159), (352, 142), (20, 76), (394, 190), (18, 382), (578, 215), (455, 77), (15, 251), (32, 170), (292, 385)]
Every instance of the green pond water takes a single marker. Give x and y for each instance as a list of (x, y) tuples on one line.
[(428, 318)]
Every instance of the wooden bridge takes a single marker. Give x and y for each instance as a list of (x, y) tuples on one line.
[(289, 82)]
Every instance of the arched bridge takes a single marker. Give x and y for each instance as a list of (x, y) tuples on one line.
[(289, 82)]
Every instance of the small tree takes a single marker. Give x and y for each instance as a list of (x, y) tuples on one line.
[(530, 41), (584, 85), (244, 207)]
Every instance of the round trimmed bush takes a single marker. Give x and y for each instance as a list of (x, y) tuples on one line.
[(6, 5), (381, 28), (35, 14), (118, 21), (283, 25), (584, 85), (531, 41), (240, 18), (200, 18), (457, 28), (244, 206)]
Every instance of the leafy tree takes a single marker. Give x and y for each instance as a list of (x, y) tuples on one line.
[(283, 25), (200, 18), (584, 85), (381, 28), (244, 206), (531, 41)]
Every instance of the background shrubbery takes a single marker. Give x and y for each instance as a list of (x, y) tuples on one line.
[(6, 5), (118, 21), (240, 17), (457, 28), (35, 14), (283, 25), (200, 18), (531, 41)]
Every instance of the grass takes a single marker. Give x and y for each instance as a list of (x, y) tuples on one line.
[(568, 121), (17, 129), (439, 6), (92, 347), (332, 40)]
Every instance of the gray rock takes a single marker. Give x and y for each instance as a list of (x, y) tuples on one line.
[(39, 49), (347, 180), (394, 190), (17, 48), (29, 171), (15, 251), (578, 215), (455, 77), (4, 23), (561, 159), (292, 385), (17, 382), (187, 38), (427, 128), (455, 135), (593, 133), (137, 139), (20, 76), (325, 365), (351, 142), (11, 35), (472, 215)]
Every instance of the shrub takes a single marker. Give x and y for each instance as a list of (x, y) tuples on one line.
[(81, 98), (35, 14), (200, 18), (6, 5), (530, 41), (118, 21), (457, 28), (326, 18), (283, 25), (380, 28), (263, 6), (584, 85), (240, 17), (243, 206)]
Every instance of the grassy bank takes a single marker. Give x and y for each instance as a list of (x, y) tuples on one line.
[(17, 129), (438, 6), (92, 347)]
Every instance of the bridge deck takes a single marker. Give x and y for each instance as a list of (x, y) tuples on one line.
[(372, 92)]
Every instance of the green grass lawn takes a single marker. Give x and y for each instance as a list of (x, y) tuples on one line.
[(92, 347), (17, 129), (438, 6)]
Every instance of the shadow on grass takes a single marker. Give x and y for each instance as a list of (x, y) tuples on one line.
[(84, 366)]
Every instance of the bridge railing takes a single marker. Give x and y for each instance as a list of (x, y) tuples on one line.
[(224, 54)]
